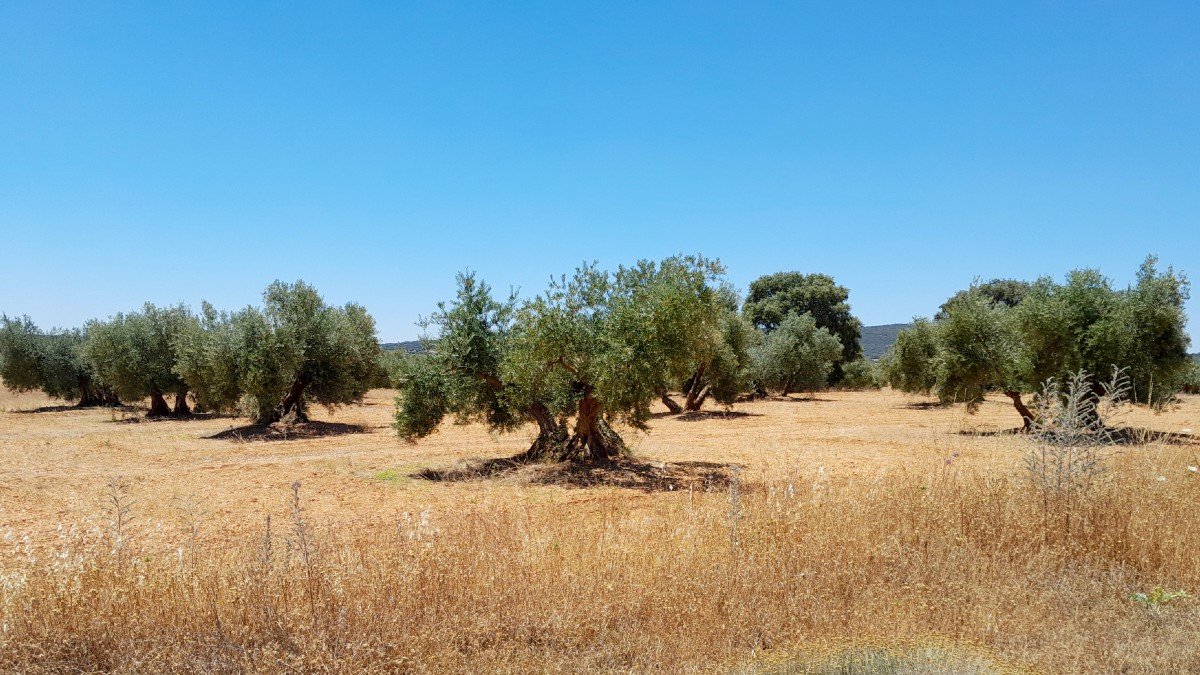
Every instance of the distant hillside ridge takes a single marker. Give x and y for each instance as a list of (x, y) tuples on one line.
[(877, 339), (411, 346)]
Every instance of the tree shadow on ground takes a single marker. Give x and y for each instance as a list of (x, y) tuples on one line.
[(1016, 431), (69, 408), (1141, 436), (188, 417), (1116, 436), (623, 473), (288, 431), (697, 415), (701, 415), (924, 405), (800, 399)]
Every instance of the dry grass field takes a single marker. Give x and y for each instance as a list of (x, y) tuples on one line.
[(850, 532)]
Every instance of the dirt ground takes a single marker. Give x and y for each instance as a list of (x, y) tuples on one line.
[(206, 476)]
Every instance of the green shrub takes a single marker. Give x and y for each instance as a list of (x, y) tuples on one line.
[(862, 374)]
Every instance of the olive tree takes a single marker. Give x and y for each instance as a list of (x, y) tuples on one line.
[(136, 355), (980, 350), (1191, 378), (910, 365), (731, 371), (276, 360), (206, 358), (1087, 324), (861, 374), (461, 374), (49, 361), (1084, 325), (796, 356), (723, 366), (772, 298), (598, 346)]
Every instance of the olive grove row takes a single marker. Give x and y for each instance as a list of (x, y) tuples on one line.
[(601, 347), (1012, 337)]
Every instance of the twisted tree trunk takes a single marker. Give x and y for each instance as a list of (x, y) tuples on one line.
[(696, 390), (551, 441), (158, 405), (181, 404), (593, 439), (698, 401), (1022, 409), (91, 394), (293, 403), (87, 395), (674, 407)]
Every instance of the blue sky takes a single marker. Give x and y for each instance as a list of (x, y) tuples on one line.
[(173, 152)]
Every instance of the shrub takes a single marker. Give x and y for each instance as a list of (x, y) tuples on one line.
[(862, 374)]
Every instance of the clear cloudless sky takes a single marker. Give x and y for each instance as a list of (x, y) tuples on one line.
[(166, 152)]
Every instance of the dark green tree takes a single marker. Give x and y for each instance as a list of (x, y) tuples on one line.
[(774, 296), (1005, 292)]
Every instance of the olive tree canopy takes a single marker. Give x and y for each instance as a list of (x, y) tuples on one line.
[(980, 350), (910, 365), (723, 368), (51, 362), (599, 346), (1005, 292), (461, 372), (135, 354), (1054, 330), (276, 360), (796, 356)]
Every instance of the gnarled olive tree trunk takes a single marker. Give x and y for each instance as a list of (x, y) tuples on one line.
[(593, 438), (551, 441), (293, 404), (1022, 409), (158, 405), (697, 390), (92, 395), (666, 399), (181, 404)]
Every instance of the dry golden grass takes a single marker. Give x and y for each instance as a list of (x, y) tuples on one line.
[(860, 532)]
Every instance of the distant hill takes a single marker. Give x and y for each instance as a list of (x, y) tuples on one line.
[(412, 346), (877, 339)]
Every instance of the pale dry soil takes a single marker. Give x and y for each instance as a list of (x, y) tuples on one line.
[(56, 465)]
